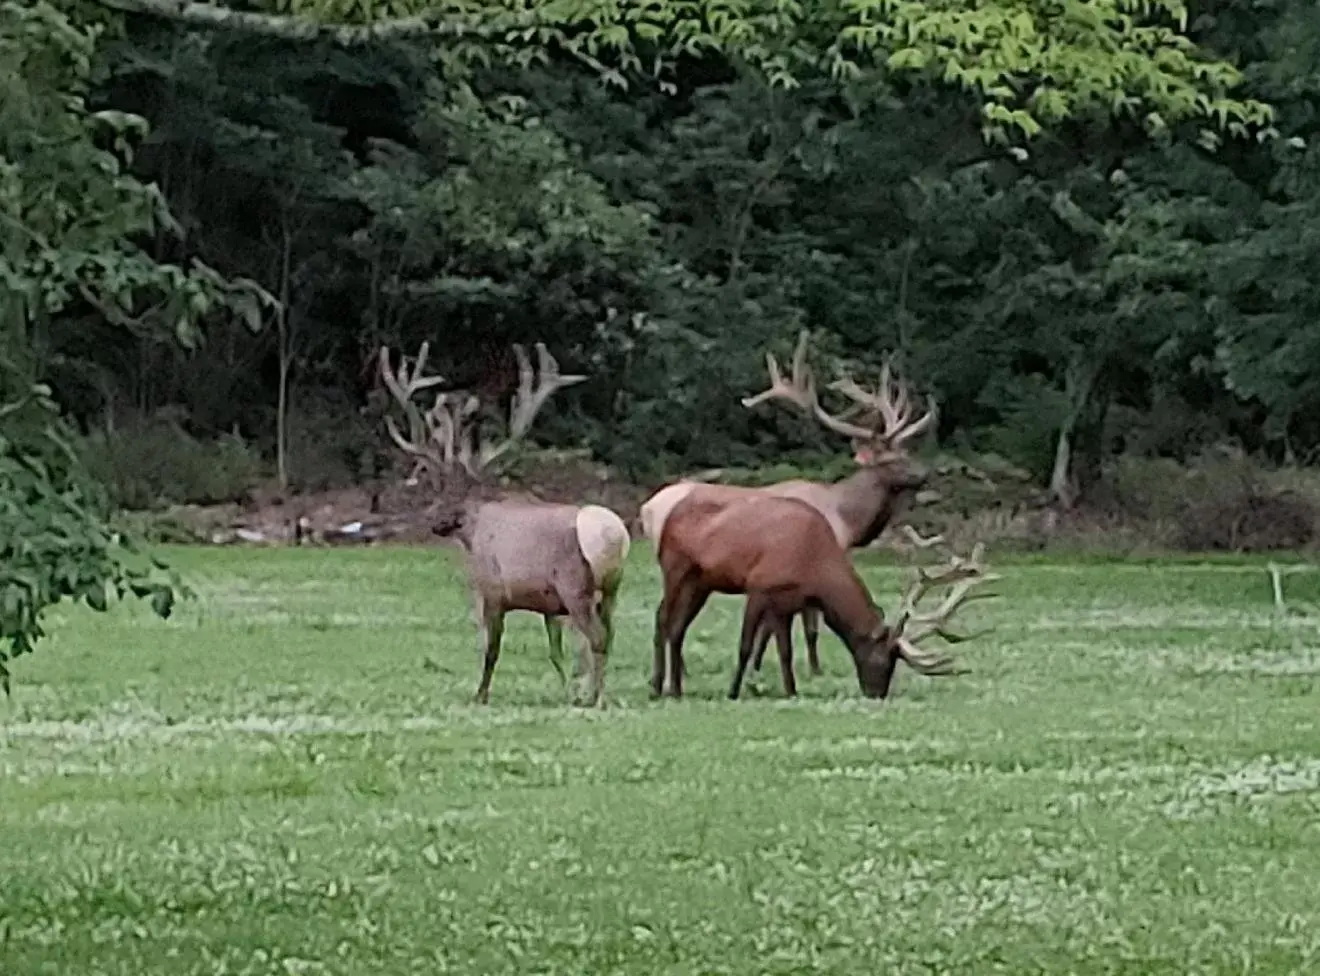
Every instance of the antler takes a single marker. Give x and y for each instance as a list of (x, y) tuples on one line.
[(432, 434), (890, 401), (801, 391), (444, 435), (962, 575), (918, 540), (535, 387)]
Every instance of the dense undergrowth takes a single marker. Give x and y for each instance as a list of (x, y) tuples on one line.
[(1220, 500)]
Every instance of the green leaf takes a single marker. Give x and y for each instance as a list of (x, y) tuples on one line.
[(908, 59), (95, 597), (162, 602)]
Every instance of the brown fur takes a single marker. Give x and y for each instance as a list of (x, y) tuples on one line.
[(858, 508), (782, 554)]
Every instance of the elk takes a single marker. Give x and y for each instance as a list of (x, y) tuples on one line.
[(860, 506), (525, 554), (784, 556)]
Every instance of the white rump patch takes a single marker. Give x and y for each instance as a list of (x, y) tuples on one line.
[(658, 506), (603, 538)]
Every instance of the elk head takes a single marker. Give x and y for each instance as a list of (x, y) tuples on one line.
[(884, 423), (879, 654), (443, 439)]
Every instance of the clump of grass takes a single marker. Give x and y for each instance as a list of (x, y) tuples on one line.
[(286, 778)]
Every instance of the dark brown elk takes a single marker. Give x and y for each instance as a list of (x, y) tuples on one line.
[(522, 553), (783, 555), (858, 508)]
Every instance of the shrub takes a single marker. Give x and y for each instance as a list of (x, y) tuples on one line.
[(331, 444), (1248, 520), (1222, 501), (151, 462), (55, 544)]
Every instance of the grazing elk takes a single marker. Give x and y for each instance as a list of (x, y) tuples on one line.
[(522, 553), (859, 507), (783, 555)]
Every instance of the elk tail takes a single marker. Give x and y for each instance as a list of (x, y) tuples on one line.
[(658, 507), (603, 539)]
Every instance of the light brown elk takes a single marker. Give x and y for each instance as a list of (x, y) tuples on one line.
[(522, 553), (784, 556), (859, 507)]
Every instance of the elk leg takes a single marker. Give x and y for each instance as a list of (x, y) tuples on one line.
[(695, 599), (478, 608), (554, 633), (763, 635), (658, 649), (582, 611), (754, 613), (783, 631), (492, 632), (811, 628), (762, 641), (609, 598), (672, 617)]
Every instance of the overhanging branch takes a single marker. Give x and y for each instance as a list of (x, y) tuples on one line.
[(295, 28)]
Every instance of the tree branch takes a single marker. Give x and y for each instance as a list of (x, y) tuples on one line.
[(294, 28)]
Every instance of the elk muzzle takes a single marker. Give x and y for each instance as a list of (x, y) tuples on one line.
[(875, 665)]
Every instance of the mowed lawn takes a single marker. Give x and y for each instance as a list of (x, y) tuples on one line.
[(288, 779)]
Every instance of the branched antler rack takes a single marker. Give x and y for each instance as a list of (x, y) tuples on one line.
[(889, 404), (960, 576), (442, 438)]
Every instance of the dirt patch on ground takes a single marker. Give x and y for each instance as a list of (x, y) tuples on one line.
[(965, 504), (393, 511)]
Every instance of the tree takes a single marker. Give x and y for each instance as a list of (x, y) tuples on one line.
[(661, 234), (1030, 64), (68, 218)]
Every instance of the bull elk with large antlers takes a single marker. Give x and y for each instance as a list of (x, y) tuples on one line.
[(857, 508), (783, 554), (522, 553)]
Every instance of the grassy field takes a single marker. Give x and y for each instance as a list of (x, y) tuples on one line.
[(288, 779)]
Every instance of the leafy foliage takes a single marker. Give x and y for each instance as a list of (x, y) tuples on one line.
[(69, 212), (145, 463), (55, 544), (70, 218), (1133, 279), (1029, 64)]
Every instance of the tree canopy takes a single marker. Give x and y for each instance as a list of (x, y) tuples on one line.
[(1086, 227), (1031, 64), (70, 222)]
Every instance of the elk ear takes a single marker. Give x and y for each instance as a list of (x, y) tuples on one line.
[(864, 455)]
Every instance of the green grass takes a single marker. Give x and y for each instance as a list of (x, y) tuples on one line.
[(287, 778)]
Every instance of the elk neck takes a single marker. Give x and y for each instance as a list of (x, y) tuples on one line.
[(846, 604), (867, 501)]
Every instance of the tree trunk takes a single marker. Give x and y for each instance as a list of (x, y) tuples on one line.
[(1079, 388), (282, 414), (1062, 487), (1088, 445), (284, 356)]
